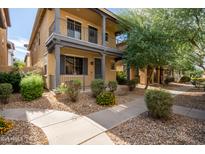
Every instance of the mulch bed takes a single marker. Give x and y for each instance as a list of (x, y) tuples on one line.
[(23, 133), (84, 106), (194, 98), (145, 130)]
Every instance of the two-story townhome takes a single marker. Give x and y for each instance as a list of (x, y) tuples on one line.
[(4, 24), (74, 44)]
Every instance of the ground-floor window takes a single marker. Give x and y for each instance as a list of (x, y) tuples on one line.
[(74, 65)]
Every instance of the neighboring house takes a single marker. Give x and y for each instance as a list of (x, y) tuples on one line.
[(134, 72), (27, 60), (4, 24), (75, 44), (11, 49)]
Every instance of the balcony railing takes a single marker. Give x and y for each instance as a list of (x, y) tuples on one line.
[(90, 34)]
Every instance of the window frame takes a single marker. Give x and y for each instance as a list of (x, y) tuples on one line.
[(75, 68), (89, 39), (75, 24)]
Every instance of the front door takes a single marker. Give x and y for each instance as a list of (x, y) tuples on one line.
[(98, 68)]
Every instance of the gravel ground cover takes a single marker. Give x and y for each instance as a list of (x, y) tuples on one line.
[(194, 98), (171, 86), (84, 106), (23, 133), (145, 130)]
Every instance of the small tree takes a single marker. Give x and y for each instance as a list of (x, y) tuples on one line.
[(18, 65), (147, 46)]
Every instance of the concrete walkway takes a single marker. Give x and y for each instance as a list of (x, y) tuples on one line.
[(60, 127), (68, 128)]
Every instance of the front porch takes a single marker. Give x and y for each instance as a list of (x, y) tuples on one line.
[(80, 64)]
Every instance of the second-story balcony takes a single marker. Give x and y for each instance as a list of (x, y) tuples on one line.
[(74, 34)]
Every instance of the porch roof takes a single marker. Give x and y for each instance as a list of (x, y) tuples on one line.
[(65, 41)]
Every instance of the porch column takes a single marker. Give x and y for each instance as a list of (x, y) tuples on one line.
[(103, 29), (103, 66), (57, 69), (57, 21)]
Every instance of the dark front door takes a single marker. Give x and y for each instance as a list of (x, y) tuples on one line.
[(98, 68)]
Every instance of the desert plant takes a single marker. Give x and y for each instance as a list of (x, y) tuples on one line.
[(168, 80), (112, 85), (159, 103), (5, 92), (131, 84), (106, 98), (61, 89), (5, 126), (74, 87), (32, 87), (184, 79), (97, 86), (121, 78)]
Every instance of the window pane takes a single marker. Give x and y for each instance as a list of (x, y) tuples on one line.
[(77, 30), (69, 65), (92, 34), (79, 65), (106, 37), (70, 27)]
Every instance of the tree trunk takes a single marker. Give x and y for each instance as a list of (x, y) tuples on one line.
[(149, 75)]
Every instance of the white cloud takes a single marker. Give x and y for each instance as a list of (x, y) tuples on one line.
[(19, 47)]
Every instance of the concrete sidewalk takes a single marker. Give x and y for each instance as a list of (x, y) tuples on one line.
[(61, 127)]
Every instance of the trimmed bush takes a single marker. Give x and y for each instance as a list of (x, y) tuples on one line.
[(32, 87), (14, 78), (5, 126), (97, 86), (121, 78), (112, 85), (159, 103), (61, 89), (184, 79), (132, 84), (74, 87), (106, 98), (168, 80), (5, 92)]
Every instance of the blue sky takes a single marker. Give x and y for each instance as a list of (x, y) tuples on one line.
[(21, 26)]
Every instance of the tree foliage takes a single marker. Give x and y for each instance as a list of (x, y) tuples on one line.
[(147, 45)]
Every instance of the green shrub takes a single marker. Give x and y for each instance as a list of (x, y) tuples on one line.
[(106, 98), (132, 84), (32, 87), (74, 87), (184, 79), (112, 85), (168, 80), (97, 86), (14, 78), (5, 92), (159, 103), (121, 78)]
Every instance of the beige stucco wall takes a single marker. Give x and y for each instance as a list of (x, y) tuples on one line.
[(91, 19), (3, 47)]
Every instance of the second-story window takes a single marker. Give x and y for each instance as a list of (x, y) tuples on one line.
[(74, 29), (92, 34), (106, 37)]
